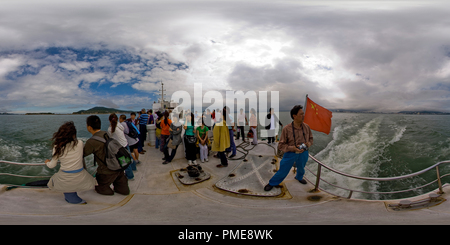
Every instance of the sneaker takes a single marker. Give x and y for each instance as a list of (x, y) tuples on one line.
[(165, 162), (190, 162), (202, 160), (268, 187), (194, 162), (82, 202), (207, 159), (302, 181)]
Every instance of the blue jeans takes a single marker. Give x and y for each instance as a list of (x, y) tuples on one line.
[(157, 141), (232, 147), (286, 164), (129, 170)]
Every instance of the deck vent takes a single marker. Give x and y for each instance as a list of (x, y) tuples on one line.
[(314, 198)]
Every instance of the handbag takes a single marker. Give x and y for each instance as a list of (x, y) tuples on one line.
[(171, 145), (250, 134), (191, 139)]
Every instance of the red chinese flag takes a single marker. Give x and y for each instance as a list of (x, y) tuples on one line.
[(317, 117)]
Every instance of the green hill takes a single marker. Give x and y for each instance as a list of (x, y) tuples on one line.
[(102, 110)]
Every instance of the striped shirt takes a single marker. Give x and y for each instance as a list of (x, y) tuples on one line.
[(143, 119)]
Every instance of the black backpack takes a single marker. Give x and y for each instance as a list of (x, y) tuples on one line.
[(133, 132), (116, 156)]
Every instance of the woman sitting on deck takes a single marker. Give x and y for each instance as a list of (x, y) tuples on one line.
[(72, 177)]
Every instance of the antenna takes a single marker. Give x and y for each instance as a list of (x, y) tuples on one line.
[(162, 94)]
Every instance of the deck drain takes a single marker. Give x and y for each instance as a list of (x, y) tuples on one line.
[(314, 198), (243, 191), (231, 175)]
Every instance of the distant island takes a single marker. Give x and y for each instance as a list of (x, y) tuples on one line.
[(102, 110), (400, 112), (424, 112), (40, 113), (105, 110)]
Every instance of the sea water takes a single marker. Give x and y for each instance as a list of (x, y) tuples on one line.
[(382, 145), (368, 145)]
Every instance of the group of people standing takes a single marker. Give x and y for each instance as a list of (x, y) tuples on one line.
[(73, 177), (195, 136)]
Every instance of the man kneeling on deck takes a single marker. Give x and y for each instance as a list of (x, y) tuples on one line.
[(292, 137), (105, 177)]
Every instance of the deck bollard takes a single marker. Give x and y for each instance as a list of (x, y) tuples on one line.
[(439, 181)]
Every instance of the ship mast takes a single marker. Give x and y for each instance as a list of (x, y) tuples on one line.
[(162, 95)]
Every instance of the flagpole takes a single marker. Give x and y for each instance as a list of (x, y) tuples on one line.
[(306, 100)]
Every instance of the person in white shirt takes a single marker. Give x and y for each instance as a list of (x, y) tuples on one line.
[(116, 131), (132, 142), (271, 121), (218, 117), (72, 176), (241, 120)]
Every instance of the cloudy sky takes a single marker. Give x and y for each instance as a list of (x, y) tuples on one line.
[(64, 56)]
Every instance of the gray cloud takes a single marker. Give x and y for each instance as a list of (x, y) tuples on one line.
[(352, 55), (380, 59)]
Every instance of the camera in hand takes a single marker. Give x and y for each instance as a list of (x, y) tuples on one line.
[(303, 147)]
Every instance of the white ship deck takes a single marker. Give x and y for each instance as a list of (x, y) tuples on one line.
[(159, 198)]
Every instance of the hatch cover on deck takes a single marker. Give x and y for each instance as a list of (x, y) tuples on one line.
[(184, 178), (250, 177)]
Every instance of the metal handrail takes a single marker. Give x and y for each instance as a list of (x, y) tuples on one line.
[(25, 176), (320, 165), (24, 164)]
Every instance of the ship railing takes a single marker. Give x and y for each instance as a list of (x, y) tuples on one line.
[(351, 191), (24, 164)]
